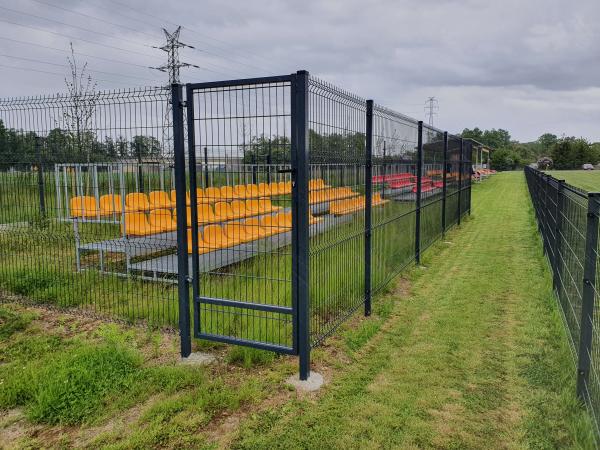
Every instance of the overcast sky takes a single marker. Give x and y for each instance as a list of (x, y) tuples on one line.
[(529, 66)]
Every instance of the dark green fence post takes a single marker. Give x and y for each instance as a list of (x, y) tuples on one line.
[(180, 197), (368, 203), (444, 186), (418, 193), (300, 224), (589, 287), (460, 171), (558, 233)]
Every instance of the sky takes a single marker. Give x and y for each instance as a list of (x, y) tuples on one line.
[(528, 66)]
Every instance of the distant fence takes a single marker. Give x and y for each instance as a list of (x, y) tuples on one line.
[(260, 212), (568, 222)]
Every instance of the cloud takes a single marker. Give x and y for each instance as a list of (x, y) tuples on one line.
[(529, 67)]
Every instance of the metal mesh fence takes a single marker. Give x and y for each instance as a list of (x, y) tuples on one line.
[(86, 188), (568, 223), (337, 122), (395, 139), (279, 204)]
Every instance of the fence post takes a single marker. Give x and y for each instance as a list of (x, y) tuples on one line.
[(384, 172), (418, 194), (444, 187), (41, 190), (558, 232), (300, 237), (269, 162), (205, 167), (180, 193), (140, 174), (193, 186), (470, 176), (460, 171), (589, 282), (368, 203)]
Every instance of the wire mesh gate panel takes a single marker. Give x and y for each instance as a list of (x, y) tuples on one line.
[(240, 220)]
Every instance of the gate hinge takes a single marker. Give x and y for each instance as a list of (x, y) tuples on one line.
[(586, 282), (183, 104)]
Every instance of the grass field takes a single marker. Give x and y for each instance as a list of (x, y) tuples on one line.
[(588, 180), (467, 351)]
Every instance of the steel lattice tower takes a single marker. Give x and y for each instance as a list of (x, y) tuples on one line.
[(172, 67)]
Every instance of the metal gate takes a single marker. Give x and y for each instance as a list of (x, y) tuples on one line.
[(245, 230)]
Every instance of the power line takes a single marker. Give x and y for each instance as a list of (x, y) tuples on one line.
[(89, 16), (75, 38), (108, 35), (217, 55), (100, 33), (62, 75), (22, 58), (76, 52), (163, 20)]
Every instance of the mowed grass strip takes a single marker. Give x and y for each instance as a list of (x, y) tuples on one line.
[(588, 180), (474, 357)]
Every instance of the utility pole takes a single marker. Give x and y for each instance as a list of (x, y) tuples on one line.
[(431, 109), (171, 47)]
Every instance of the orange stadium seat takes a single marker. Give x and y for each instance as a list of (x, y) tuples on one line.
[(137, 201)]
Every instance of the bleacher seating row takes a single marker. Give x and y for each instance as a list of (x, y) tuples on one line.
[(162, 219), (215, 237), (351, 205), (329, 194), (110, 204)]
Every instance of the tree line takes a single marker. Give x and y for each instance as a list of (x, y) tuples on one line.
[(566, 152), (60, 146)]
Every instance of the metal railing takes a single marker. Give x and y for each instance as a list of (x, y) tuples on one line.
[(568, 219)]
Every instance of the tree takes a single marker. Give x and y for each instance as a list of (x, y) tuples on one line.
[(546, 141), (261, 149), (145, 146), (571, 153), (505, 159), (78, 114), (493, 138)]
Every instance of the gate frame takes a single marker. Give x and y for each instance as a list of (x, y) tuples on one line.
[(298, 88)]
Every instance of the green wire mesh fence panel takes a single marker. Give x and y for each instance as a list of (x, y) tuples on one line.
[(568, 219), (394, 186), (432, 184), (452, 180), (85, 195), (337, 185)]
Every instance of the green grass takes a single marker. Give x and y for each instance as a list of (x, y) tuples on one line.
[(467, 351), (66, 378), (475, 357), (588, 180)]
